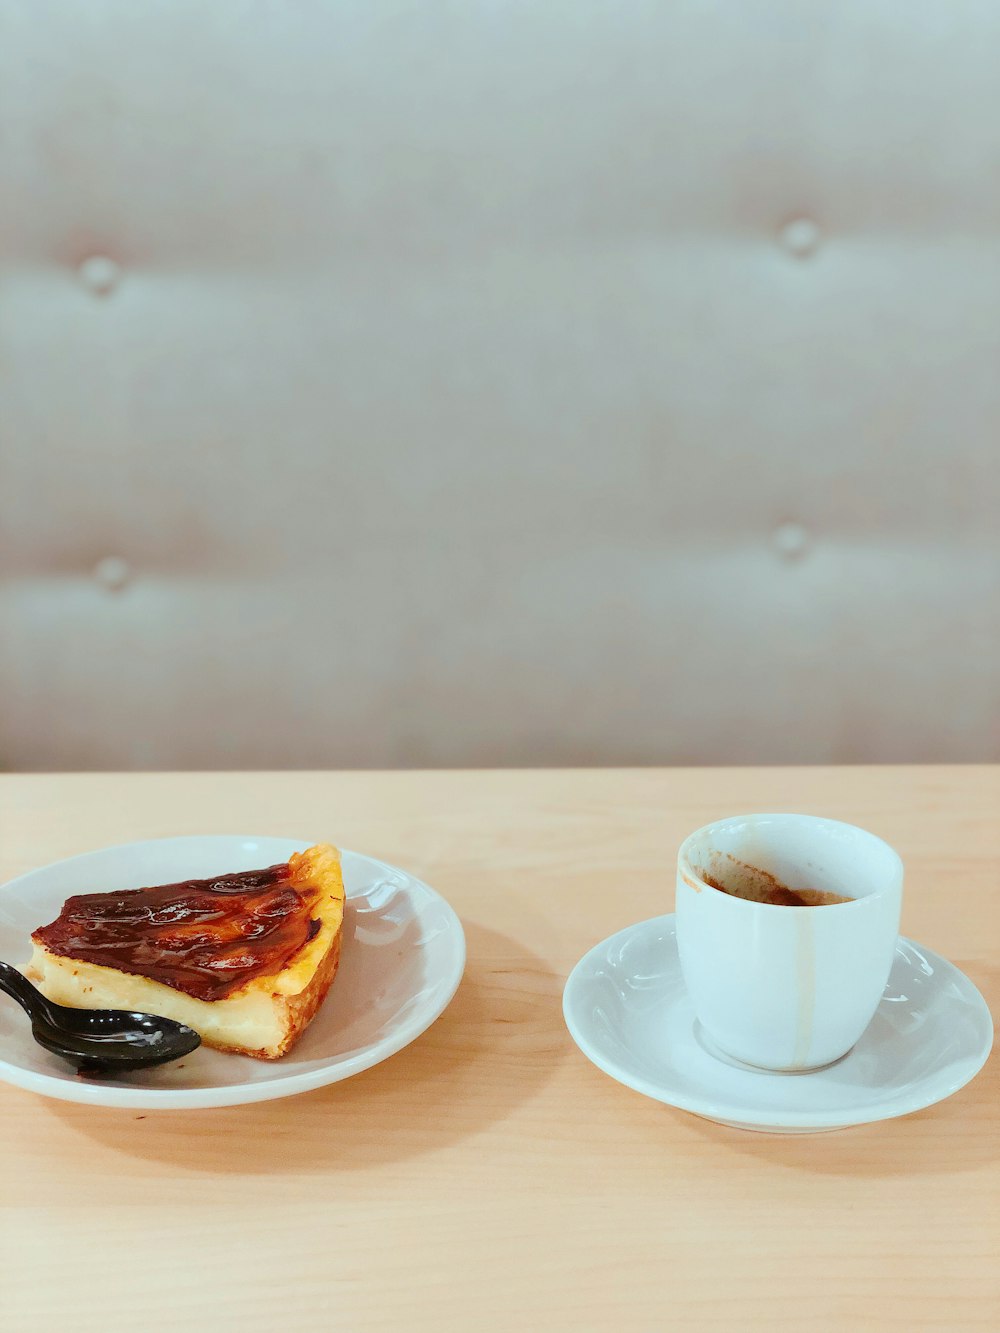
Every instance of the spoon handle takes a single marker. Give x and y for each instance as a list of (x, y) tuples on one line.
[(19, 988)]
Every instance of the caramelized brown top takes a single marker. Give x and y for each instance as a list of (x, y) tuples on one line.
[(205, 937)]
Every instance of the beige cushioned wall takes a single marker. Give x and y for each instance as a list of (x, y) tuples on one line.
[(397, 384)]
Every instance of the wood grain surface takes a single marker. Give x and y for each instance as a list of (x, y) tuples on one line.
[(489, 1177)]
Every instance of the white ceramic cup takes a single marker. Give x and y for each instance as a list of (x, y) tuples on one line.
[(788, 988)]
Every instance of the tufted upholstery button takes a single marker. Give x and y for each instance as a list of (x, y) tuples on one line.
[(112, 573), (790, 540), (101, 274), (800, 237)]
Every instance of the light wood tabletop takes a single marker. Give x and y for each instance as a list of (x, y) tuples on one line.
[(488, 1176)]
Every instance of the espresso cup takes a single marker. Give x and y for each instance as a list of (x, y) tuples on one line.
[(781, 987)]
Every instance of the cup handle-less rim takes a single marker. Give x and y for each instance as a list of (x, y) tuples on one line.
[(689, 873)]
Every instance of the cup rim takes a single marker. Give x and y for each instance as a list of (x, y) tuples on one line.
[(685, 869)]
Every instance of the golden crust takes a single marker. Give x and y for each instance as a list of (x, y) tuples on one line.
[(262, 1018), (316, 875)]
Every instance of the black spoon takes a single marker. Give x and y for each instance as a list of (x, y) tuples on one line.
[(103, 1041)]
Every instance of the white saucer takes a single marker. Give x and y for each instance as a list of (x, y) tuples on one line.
[(627, 1009), (403, 954)]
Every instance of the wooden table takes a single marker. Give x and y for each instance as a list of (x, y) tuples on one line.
[(489, 1177)]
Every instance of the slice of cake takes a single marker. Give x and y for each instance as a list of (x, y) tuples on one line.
[(245, 959)]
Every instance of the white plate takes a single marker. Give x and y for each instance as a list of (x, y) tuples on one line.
[(403, 954), (627, 1009)]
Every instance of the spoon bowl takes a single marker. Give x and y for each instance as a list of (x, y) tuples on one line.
[(106, 1040)]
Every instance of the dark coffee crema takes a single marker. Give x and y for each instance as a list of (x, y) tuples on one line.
[(740, 880), (205, 937)]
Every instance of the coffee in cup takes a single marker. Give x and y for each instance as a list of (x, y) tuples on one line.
[(782, 989)]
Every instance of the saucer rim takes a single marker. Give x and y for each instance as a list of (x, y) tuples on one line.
[(748, 1117)]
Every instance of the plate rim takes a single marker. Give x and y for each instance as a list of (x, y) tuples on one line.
[(215, 1097), (739, 1117)]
